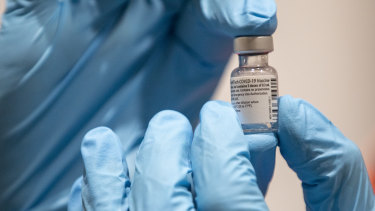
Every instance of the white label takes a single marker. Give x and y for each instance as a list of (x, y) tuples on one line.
[(255, 98)]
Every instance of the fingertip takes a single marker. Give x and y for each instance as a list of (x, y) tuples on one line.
[(99, 130), (167, 118), (290, 106), (257, 18), (98, 135), (287, 102), (100, 143), (168, 121), (242, 18), (291, 110), (101, 151), (297, 115)]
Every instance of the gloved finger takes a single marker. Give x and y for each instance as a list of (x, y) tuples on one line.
[(75, 196), (238, 18), (162, 165), (223, 176), (262, 157), (330, 166), (207, 27), (105, 183)]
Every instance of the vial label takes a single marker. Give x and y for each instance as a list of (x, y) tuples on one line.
[(255, 98)]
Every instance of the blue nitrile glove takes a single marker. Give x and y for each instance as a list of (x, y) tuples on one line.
[(330, 166), (223, 176), (67, 66), (161, 176)]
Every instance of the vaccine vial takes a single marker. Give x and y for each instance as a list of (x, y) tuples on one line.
[(254, 85)]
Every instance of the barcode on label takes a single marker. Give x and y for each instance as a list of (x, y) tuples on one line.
[(274, 95)]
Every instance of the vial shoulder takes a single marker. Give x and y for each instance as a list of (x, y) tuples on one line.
[(253, 71)]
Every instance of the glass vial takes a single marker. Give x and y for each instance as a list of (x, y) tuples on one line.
[(254, 85)]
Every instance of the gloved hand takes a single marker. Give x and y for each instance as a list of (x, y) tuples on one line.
[(87, 63), (219, 158), (330, 166)]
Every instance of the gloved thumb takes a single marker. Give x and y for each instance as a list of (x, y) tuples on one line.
[(329, 165)]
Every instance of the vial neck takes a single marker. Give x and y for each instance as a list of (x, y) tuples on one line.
[(253, 60)]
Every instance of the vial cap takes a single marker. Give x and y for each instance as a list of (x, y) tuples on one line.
[(253, 44)]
